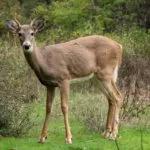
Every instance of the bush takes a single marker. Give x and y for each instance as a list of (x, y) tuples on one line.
[(18, 88), (134, 40), (15, 115), (135, 84)]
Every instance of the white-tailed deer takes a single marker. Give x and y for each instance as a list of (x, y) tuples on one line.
[(56, 65)]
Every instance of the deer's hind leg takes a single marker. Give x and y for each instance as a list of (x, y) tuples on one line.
[(114, 97), (117, 111)]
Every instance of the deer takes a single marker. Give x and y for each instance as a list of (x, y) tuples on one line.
[(57, 65)]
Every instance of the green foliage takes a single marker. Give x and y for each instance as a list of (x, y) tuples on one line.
[(73, 18), (134, 40), (70, 19)]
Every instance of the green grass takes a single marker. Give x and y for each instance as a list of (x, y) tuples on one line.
[(129, 139)]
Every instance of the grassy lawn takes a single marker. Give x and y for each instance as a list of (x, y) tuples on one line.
[(129, 139)]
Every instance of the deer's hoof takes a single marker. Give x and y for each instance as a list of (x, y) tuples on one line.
[(42, 139), (112, 136), (69, 141), (106, 134)]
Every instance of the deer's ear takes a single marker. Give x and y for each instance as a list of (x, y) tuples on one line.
[(13, 25), (37, 24)]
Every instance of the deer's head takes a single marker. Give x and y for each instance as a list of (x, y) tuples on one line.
[(26, 33)]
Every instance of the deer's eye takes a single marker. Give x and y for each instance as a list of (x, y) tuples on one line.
[(20, 34), (32, 34)]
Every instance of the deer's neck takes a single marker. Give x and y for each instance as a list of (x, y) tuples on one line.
[(32, 58)]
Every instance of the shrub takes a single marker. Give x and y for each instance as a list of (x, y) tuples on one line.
[(135, 84), (18, 88), (134, 40)]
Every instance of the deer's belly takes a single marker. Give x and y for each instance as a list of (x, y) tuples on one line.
[(53, 77), (82, 79)]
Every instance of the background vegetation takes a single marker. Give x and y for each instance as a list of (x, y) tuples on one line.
[(21, 95)]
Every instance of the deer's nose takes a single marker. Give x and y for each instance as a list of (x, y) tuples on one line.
[(26, 46)]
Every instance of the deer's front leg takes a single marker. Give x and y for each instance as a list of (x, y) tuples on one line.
[(64, 90), (50, 97)]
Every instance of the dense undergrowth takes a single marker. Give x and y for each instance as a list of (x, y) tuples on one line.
[(17, 91)]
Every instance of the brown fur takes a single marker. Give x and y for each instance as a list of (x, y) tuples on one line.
[(74, 59), (56, 65)]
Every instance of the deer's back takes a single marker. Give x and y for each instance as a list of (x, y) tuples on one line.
[(80, 57)]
